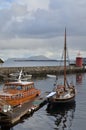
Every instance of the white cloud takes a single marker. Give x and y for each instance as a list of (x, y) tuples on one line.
[(34, 4)]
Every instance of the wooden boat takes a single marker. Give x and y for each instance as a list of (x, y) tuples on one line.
[(63, 93), (18, 92)]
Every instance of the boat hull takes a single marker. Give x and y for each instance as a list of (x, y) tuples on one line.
[(21, 99), (62, 101)]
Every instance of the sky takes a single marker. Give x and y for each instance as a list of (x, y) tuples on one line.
[(36, 27)]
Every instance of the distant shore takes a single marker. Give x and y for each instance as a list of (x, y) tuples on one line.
[(40, 71), (36, 60)]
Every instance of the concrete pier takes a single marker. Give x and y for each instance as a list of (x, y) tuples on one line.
[(40, 70)]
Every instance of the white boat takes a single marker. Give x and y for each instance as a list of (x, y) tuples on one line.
[(51, 76), (14, 76), (26, 77), (64, 93)]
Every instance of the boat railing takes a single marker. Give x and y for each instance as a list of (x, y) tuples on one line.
[(19, 95)]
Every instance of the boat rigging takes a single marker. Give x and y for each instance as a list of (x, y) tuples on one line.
[(63, 93)]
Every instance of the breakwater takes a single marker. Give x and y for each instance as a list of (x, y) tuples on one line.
[(40, 70)]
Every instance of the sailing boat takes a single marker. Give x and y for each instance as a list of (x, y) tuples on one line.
[(63, 93)]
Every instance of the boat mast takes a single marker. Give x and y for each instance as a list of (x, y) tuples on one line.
[(65, 59)]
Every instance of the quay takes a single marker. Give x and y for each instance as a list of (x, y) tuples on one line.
[(40, 71)]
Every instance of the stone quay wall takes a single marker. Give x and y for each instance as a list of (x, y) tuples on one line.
[(41, 70)]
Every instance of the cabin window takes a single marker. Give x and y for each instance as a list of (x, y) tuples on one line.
[(26, 88), (23, 88), (12, 87), (19, 88), (30, 86), (5, 87)]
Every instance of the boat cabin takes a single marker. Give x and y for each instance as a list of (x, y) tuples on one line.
[(15, 93), (18, 86)]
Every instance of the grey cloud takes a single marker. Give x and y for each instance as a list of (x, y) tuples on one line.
[(42, 30), (51, 47), (16, 21)]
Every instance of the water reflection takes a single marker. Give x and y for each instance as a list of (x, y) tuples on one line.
[(64, 115), (9, 126), (5, 127), (79, 78)]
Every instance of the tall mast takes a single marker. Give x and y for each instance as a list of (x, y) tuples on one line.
[(65, 59)]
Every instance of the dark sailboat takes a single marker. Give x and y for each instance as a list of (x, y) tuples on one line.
[(63, 93)]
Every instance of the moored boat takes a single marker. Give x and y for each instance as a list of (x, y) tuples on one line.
[(66, 92), (14, 77), (18, 92), (51, 76)]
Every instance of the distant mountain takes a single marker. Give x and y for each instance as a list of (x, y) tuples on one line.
[(32, 58), (40, 57)]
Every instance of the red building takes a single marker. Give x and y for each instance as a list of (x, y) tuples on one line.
[(79, 60)]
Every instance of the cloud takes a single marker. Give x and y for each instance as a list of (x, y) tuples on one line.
[(20, 21), (38, 26), (52, 47)]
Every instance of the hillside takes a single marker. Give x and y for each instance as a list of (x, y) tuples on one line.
[(39, 57), (32, 58)]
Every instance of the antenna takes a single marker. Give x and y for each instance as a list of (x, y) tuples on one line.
[(19, 79)]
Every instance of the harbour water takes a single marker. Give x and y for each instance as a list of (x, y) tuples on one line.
[(55, 118), (12, 63)]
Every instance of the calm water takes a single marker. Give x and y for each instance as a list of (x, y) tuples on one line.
[(55, 118), (29, 63), (11, 63)]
